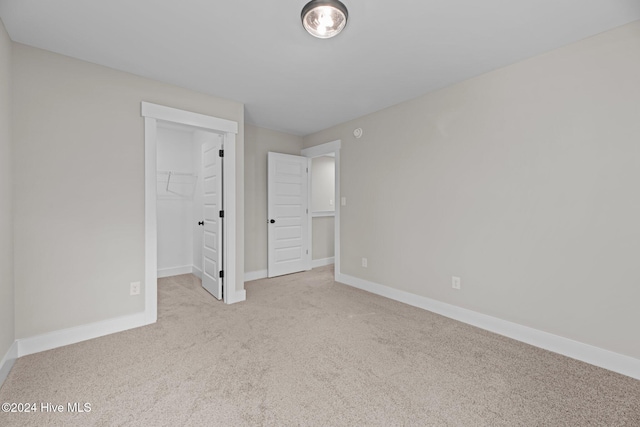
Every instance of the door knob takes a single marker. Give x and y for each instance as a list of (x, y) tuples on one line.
[(272, 221), (200, 222)]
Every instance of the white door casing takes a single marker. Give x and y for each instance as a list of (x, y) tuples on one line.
[(212, 243), (288, 223)]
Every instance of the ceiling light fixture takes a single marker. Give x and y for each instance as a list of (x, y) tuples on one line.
[(324, 18)]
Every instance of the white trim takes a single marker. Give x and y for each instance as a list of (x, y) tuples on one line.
[(606, 359), (228, 129), (231, 294), (309, 254), (322, 262), (336, 223), (323, 150), (319, 214), (76, 334), (7, 361), (161, 112), (150, 220), (175, 271), (255, 275)]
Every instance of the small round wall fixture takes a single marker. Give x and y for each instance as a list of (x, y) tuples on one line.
[(358, 133), (324, 18)]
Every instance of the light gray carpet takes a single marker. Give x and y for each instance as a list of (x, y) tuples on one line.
[(304, 350)]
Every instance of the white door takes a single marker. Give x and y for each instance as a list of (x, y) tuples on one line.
[(212, 218), (288, 223)]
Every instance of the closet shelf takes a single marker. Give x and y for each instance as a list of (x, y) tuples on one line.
[(176, 185)]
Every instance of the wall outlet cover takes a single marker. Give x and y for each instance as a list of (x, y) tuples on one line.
[(134, 288)]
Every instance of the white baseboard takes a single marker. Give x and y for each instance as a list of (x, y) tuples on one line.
[(255, 275), (321, 262), (262, 274), (174, 271), (606, 359), (7, 362), (196, 272), (76, 334)]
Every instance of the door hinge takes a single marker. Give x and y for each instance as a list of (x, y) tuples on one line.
[(221, 274), (307, 210), (221, 153), (307, 170), (307, 251), (221, 214)]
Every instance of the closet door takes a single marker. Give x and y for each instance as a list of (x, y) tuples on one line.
[(212, 275)]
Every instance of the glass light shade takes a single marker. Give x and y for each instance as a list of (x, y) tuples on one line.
[(324, 18)]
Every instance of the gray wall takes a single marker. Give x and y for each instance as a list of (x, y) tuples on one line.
[(323, 184), (79, 187), (523, 182), (323, 237), (6, 199), (322, 193), (258, 142)]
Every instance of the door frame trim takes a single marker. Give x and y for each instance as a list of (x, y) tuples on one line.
[(228, 129), (332, 147)]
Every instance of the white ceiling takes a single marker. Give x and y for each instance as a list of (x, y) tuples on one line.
[(257, 52)]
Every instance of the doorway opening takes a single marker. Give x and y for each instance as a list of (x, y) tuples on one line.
[(322, 209), (325, 209), (161, 119), (189, 204)]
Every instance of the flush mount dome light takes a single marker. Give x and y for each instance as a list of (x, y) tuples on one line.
[(324, 18)]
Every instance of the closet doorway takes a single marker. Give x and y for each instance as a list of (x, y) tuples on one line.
[(189, 204), (176, 195)]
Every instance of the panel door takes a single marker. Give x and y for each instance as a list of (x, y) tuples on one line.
[(212, 243), (288, 221)]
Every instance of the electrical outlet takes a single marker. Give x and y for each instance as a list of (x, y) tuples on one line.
[(134, 288), (455, 282), (364, 262), (343, 201), (330, 202)]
